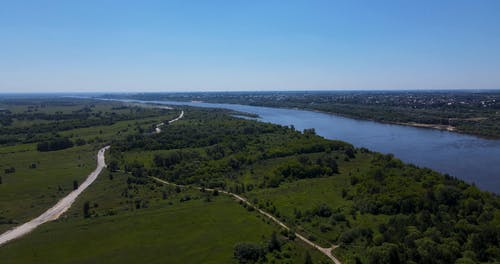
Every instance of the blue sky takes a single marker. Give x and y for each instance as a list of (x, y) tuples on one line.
[(87, 46)]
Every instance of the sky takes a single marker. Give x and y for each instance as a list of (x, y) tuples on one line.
[(247, 45)]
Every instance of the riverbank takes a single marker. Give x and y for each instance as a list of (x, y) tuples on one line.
[(469, 158), (442, 127), (439, 127)]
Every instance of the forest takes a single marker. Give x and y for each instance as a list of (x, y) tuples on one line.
[(35, 120)]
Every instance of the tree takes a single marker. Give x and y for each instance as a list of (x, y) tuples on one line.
[(80, 142), (448, 195), (309, 132), (332, 164), (387, 253), (465, 260), (86, 209), (427, 250), (55, 144), (350, 153), (234, 163), (1, 181), (378, 175), (323, 210), (247, 252), (113, 166), (308, 259), (75, 185), (304, 160), (274, 243)]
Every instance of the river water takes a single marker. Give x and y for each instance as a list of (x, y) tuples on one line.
[(472, 159)]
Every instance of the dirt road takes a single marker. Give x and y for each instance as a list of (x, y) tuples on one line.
[(326, 251), (57, 210), (179, 117), (158, 129), (65, 203)]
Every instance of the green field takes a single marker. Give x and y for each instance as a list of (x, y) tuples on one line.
[(28, 192), (165, 231), (193, 232), (42, 178)]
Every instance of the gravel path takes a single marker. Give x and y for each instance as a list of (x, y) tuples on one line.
[(158, 129), (65, 203), (326, 251), (57, 210)]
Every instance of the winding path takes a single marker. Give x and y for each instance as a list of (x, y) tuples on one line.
[(326, 251), (158, 129), (57, 210), (65, 203)]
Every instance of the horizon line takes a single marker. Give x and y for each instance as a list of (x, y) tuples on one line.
[(256, 91)]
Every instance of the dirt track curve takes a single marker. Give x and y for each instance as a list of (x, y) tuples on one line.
[(326, 251), (158, 126), (57, 210)]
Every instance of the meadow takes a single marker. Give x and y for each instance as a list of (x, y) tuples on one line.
[(40, 179), (158, 229)]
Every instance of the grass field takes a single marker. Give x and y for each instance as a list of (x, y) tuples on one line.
[(42, 178), (165, 231), (119, 129), (306, 195), (28, 192), (302, 195)]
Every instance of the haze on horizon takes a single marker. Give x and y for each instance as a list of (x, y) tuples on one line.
[(147, 46)]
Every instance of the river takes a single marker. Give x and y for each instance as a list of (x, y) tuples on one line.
[(472, 159)]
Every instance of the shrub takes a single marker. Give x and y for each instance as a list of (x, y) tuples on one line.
[(75, 185), (86, 209), (10, 170), (323, 210), (54, 144), (248, 252)]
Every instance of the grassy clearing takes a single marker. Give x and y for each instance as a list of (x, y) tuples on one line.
[(42, 178), (297, 197), (119, 129), (192, 232), (29, 191), (163, 230)]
